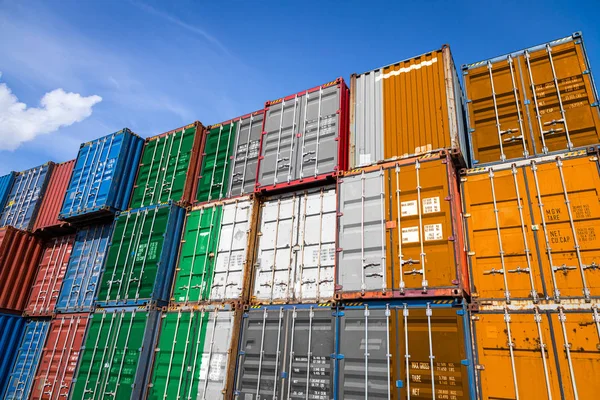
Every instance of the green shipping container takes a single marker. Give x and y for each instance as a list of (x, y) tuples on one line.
[(195, 355), (141, 257), (116, 354), (169, 167), (215, 252), (219, 142)]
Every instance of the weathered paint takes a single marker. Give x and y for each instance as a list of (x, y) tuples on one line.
[(168, 167), (81, 280), (11, 333), (141, 257), (116, 354), (216, 253), (536, 101), (59, 357), (25, 197), (49, 276), (103, 176), (407, 108), (26, 362)]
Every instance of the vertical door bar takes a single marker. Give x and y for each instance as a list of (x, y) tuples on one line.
[(522, 132), (210, 351), (318, 132), (424, 282), (498, 129), (511, 350), (538, 116), (170, 368), (366, 314), (214, 169), (147, 188), (262, 353), (309, 352), (292, 352), (399, 230), (277, 159), (429, 312), (406, 350), (559, 97), (363, 285), (293, 139), (197, 351), (500, 247), (563, 319), (177, 163), (538, 321), (278, 353), (382, 216), (274, 265)]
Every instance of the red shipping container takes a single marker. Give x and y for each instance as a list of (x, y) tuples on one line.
[(49, 276), (47, 218), (20, 254), (59, 357)]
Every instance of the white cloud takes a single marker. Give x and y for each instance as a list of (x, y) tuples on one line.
[(19, 123)]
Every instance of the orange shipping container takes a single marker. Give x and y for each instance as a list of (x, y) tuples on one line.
[(537, 353), (407, 108), (531, 228), (47, 218), (532, 102)]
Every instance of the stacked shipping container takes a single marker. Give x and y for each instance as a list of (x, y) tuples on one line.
[(252, 264)]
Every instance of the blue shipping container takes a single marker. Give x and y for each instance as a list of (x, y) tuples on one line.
[(26, 362), (103, 176), (142, 256), (378, 349), (81, 280), (6, 183), (25, 197), (11, 333)]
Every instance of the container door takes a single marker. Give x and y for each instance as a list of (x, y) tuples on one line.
[(80, 284), (133, 258), (365, 370), (214, 369), (230, 264), (245, 157), (316, 150), (564, 111), (193, 282), (430, 353), (362, 233), (178, 355), (367, 127), (565, 196), (515, 356), (21, 206), (94, 189), (279, 144), (500, 122), (503, 248), (214, 175), (109, 361), (422, 254), (260, 358), (577, 337), (21, 376)]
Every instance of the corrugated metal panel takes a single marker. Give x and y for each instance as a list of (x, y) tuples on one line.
[(103, 176), (296, 248), (26, 196), (11, 332), (532, 102), (116, 355), (81, 279), (6, 183), (216, 253), (418, 350), (532, 228), (47, 218), (49, 276), (287, 352), (59, 357), (244, 161), (22, 373), (400, 231), (219, 144), (305, 137), (169, 166), (20, 254), (141, 258), (196, 354), (406, 108), (537, 353)]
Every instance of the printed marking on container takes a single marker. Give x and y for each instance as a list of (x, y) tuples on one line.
[(410, 234), (431, 205), (407, 69), (433, 232), (408, 208)]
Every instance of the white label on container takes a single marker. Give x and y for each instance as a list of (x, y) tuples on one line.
[(431, 205), (433, 232), (365, 159), (410, 234), (409, 208)]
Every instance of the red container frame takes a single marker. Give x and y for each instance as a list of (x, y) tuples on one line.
[(47, 222), (343, 140)]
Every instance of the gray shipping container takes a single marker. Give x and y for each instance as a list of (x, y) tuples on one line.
[(295, 257), (245, 156), (286, 352)]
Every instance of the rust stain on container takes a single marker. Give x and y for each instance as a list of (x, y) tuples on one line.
[(47, 218), (532, 102), (59, 357), (537, 354), (50, 273), (19, 257), (533, 228)]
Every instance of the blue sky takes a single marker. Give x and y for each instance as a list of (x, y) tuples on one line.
[(89, 68)]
